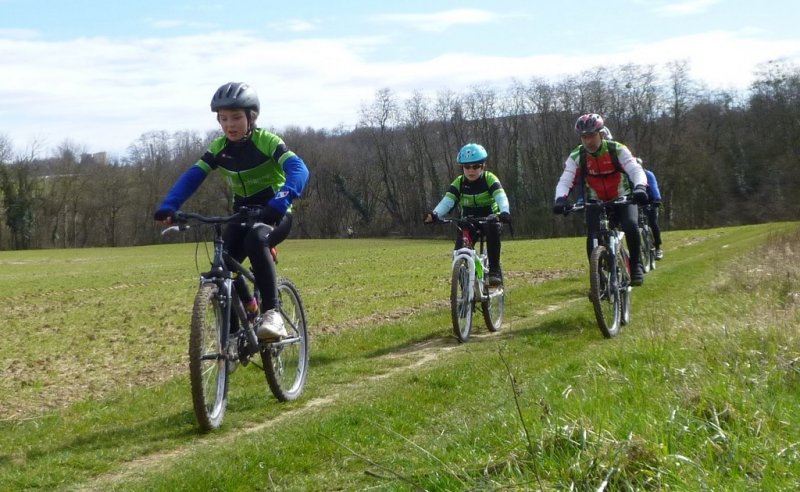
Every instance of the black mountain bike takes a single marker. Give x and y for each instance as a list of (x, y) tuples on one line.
[(223, 333), (609, 270)]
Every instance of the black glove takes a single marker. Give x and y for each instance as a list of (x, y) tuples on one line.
[(561, 205), (270, 216), (640, 195), (431, 217), (657, 203), (163, 214), (505, 217)]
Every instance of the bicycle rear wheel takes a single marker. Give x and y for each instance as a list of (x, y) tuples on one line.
[(286, 361), (207, 365), (460, 305), (604, 293), (494, 307)]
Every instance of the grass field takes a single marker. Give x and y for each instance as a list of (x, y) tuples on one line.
[(699, 392)]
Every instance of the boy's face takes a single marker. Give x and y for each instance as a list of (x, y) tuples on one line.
[(233, 123), (473, 171)]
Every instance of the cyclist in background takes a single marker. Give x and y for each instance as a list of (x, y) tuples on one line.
[(654, 195), (607, 171), (260, 170), (478, 193)]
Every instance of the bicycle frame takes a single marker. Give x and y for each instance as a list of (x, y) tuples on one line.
[(215, 352), (475, 259), (223, 277)]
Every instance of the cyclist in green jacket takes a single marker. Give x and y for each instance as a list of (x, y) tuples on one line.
[(260, 170), (478, 193)]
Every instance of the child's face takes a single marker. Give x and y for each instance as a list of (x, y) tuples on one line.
[(233, 123), (473, 171)]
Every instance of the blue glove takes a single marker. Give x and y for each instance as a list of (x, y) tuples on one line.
[(276, 208), (505, 217)]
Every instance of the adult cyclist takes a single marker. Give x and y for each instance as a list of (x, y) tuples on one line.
[(608, 171)]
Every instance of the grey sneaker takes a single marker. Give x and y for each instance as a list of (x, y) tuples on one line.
[(271, 327), (659, 254)]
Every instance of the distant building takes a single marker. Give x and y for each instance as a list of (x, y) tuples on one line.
[(97, 157)]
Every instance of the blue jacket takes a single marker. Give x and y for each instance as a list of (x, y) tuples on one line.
[(652, 186)]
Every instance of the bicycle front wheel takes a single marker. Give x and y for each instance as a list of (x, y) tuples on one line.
[(286, 361), (604, 292), (460, 304), (624, 281), (207, 365), (644, 249), (651, 247)]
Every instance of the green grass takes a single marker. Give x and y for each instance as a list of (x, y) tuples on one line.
[(699, 392)]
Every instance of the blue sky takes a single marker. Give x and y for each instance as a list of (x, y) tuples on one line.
[(100, 74)]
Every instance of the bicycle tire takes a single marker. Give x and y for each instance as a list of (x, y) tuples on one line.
[(624, 274), (644, 249), (286, 361), (207, 365), (494, 307), (460, 305), (604, 296), (651, 243)]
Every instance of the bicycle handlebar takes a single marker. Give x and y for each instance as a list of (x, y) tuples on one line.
[(577, 207), (489, 219), (247, 215)]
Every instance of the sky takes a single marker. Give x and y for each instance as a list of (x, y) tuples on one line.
[(98, 75)]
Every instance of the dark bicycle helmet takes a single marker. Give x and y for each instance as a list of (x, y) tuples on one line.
[(235, 95), (589, 123), (472, 153)]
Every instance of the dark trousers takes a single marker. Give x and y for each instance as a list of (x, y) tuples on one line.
[(652, 219), (627, 216), (255, 243)]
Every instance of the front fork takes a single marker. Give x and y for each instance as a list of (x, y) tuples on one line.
[(468, 256)]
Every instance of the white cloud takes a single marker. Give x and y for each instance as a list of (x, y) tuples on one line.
[(297, 25), (682, 7), (179, 23), (438, 21), (105, 93), (18, 34)]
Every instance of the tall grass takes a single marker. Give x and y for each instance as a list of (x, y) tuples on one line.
[(699, 392)]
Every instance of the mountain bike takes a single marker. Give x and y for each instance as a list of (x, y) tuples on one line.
[(223, 332), (648, 242), (469, 283), (609, 270)]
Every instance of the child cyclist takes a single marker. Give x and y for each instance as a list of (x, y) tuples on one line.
[(478, 193), (260, 170)]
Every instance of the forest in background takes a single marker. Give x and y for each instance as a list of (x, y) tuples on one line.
[(721, 158)]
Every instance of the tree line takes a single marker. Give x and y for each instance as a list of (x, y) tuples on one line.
[(721, 158)]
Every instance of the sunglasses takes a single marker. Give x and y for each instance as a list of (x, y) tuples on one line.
[(472, 166)]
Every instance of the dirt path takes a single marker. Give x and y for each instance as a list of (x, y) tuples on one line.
[(414, 356)]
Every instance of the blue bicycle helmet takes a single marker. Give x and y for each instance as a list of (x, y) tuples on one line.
[(472, 153)]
